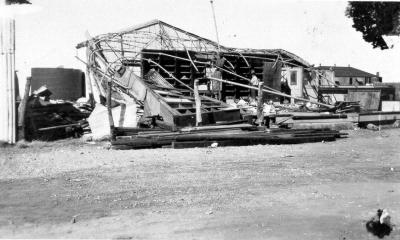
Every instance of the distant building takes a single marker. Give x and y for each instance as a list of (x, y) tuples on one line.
[(345, 76)]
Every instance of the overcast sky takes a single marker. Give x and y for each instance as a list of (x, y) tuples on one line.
[(317, 31)]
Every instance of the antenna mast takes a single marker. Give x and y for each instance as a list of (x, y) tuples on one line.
[(215, 25)]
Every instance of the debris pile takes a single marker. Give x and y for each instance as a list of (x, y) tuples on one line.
[(347, 107), (47, 119)]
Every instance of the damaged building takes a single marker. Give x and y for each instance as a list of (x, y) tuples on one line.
[(179, 80), (166, 61)]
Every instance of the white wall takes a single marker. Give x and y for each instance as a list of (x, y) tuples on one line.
[(7, 78), (294, 77)]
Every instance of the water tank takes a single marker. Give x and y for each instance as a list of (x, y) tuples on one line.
[(64, 83)]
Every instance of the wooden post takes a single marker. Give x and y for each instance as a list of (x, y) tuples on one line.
[(88, 80), (110, 116), (260, 104), (197, 102), (122, 46), (22, 110)]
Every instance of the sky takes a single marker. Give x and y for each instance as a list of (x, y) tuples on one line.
[(317, 31)]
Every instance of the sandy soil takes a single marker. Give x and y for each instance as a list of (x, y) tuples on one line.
[(72, 189)]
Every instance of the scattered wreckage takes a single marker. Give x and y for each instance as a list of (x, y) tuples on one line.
[(47, 119), (180, 81)]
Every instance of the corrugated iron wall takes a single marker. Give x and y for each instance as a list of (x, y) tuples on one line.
[(64, 83), (7, 80)]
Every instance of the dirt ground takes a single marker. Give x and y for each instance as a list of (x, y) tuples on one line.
[(73, 189)]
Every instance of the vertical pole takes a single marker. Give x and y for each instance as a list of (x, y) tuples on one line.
[(13, 122), (197, 102), (122, 46), (88, 79), (7, 78), (260, 104), (215, 25), (109, 110), (22, 110)]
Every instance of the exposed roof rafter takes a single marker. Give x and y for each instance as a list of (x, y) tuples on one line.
[(157, 34)]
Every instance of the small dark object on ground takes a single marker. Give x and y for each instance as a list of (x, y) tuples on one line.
[(373, 127), (379, 225)]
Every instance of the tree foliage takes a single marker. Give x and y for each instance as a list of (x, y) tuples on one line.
[(374, 20), (9, 2)]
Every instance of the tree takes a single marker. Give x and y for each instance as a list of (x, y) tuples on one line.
[(374, 20), (9, 2)]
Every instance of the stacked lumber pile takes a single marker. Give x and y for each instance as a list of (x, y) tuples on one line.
[(224, 135), (313, 120)]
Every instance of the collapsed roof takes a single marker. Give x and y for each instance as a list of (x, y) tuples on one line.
[(129, 43), (120, 66)]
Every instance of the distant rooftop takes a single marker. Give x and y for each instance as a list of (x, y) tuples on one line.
[(347, 71)]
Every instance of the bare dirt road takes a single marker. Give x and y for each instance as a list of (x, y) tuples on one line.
[(71, 189)]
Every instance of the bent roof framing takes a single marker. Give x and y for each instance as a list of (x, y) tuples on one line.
[(157, 34)]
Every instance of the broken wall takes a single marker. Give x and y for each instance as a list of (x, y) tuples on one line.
[(272, 75)]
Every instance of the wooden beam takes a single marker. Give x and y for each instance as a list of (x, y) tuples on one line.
[(260, 105), (198, 103), (58, 127), (109, 110), (22, 110)]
